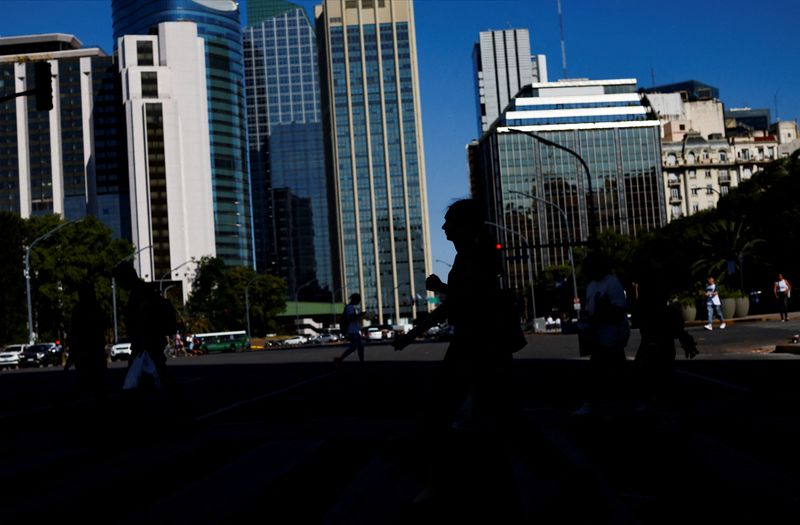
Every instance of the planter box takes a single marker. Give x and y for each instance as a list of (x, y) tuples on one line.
[(689, 312), (742, 307), (728, 307)]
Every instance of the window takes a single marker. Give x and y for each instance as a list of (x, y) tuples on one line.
[(682, 127), (723, 156), (695, 208), (708, 174), (149, 84), (692, 174), (144, 52)]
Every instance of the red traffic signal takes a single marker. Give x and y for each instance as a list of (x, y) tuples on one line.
[(43, 89), (498, 246)]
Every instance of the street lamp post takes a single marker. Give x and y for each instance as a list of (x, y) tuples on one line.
[(28, 249), (569, 243), (161, 281), (592, 210), (530, 265), (296, 303), (444, 262), (114, 289)]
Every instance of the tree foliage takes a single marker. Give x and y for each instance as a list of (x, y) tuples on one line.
[(217, 300), (78, 252)]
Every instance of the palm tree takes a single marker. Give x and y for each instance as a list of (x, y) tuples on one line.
[(726, 241)]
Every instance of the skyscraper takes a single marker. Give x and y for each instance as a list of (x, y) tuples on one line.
[(371, 107), (71, 160), (292, 227), (164, 95), (502, 65), (219, 25), (524, 182)]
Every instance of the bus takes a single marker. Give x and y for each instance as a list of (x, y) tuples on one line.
[(223, 341)]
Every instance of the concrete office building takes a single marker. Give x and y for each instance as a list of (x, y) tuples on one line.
[(218, 24), (71, 160), (502, 65), (164, 95), (371, 107), (292, 226), (607, 123), (706, 149)]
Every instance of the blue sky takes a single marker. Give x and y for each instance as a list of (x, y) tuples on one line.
[(748, 50)]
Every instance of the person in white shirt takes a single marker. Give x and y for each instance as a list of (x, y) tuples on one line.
[(782, 291), (713, 305)]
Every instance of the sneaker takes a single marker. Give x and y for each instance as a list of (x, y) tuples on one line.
[(708, 327), (722, 326)]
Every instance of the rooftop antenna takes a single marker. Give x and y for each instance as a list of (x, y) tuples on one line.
[(775, 99), (563, 47)]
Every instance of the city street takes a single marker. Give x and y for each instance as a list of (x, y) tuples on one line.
[(284, 431)]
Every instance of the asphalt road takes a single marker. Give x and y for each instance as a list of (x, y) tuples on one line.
[(284, 432)]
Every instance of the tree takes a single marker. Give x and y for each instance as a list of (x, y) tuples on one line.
[(13, 317), (82, 251), (217, 302), (725, 242)]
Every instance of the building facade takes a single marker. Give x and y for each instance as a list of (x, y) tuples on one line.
[(371, 109), (166, 110), (502, 65), (539, 195), (71, 160), (707, 150), (218, 24), (293, 229)]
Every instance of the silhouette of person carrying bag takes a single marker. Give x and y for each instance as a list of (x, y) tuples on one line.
[(470, 404)]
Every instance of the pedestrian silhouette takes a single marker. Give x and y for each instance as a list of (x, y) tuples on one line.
[(607, 334), (470, 409), (660, 324), (151, 321), (86, 343), (351, 324)]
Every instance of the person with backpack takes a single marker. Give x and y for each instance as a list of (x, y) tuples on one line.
[(351, 327)]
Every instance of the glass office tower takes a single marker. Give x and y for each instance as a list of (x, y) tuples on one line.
[(371, 107), (291, 222), (608, 124), (219, 25)]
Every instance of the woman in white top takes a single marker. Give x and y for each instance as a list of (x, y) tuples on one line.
[(782, 291)]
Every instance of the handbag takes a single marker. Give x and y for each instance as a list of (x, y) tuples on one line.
[(142, 368)]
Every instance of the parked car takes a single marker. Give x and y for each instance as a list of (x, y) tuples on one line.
[(120, 351), (326, 338), (41, 354), (296, 340), (10, 355), (373, 333)]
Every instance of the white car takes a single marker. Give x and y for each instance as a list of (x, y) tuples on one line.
[(296, 340), (374, 333), (327, 338), (120, 351), (11, 355)]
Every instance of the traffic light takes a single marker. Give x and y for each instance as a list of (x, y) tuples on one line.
[(498, 246), (43, 87)]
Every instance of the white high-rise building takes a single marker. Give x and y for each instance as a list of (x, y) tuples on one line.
[(502, 65), (169, 160)]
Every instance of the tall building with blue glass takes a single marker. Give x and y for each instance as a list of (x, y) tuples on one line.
[(371, 109), (218, 24), (292, 228), (524, 183)]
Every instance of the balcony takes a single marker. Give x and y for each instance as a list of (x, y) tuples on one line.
[(675, 199), (724, 179), (674, 182)]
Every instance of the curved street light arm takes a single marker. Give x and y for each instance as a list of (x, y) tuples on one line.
[(530, 265), (569, 242), (592, 210)]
